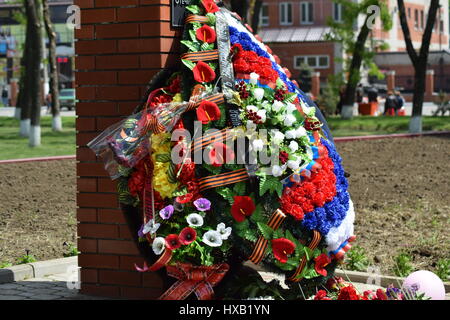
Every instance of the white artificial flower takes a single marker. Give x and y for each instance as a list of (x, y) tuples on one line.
[(251, 108), (258, 93), (309, 111), (277, 105), (151, 227), (158, 245), (278, 137), (224, 232), (301, 132), (289, 120), (290, 108), (291, 134), (277, 170), (293, 164), (293, 146), (251, 125), (258, 145), (262, 115), (212, 238), (194, 220), (254, 78)]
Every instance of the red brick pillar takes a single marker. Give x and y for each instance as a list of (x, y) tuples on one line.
[(429, 85), (315, 84), (121, 44), (390, 80)]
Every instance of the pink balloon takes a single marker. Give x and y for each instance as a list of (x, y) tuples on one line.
[(425, 282)]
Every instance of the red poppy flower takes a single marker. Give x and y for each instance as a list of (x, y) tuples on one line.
[(210, 6), (206, 34), (242, 207), (321, 262), (381, 295), (208, 111), (173, 241), (220, 154), (348, 293), (281, 248), (321, 295), (203, 72), (185, 199), (187, 236)]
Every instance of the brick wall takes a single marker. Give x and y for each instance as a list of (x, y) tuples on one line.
[(120, 46)]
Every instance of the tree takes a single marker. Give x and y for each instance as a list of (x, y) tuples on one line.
[(419, 61), (254, 11), (54, 84), (33, 11), (357, 52)]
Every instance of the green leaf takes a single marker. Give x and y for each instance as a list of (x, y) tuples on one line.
[(310, 273), (211, 19), (213, 65), (206, 46), (193, 35), (227, 194), (278, 234), (250, 235), (241, 226), (212, 169), (308, 253), (188, 64), (163, 157), (194, 47), (270, 183), (193, 9), (257, 216), (239, 188), (180, 192), (171, 174), (290, 97), (266, 231)]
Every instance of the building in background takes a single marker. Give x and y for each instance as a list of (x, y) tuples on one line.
[(295, 30), (12, 40)]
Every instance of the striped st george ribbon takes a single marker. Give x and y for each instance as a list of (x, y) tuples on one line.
[(216, 136), (195, 18), (207, 55), (259, 250), (313, 245), (223, 179)]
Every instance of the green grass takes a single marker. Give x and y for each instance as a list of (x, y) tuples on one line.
[(364, 125), (13, 146)]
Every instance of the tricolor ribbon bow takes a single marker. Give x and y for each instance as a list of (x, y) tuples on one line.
[(197, 279)]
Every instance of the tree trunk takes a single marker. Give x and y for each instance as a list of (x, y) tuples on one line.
[(34, 10), (24, 101), (54, 90), (419, 61), (240, 7), (353, 77), (255, 15)]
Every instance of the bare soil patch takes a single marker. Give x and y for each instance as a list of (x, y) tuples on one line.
[(400, 188)]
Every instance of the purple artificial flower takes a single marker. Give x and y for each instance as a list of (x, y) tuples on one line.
[(166, 212), (202, 204), (141, 232)]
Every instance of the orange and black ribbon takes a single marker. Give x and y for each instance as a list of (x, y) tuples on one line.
[(216, 136), (313, 245), (194, 18), (207, 55), (259, 251), (194, 279), (223, 179)]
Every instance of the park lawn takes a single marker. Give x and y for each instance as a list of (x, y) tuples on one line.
[(364, 125), (13, 146)]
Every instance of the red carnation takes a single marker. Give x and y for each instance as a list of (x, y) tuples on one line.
[(206, 34), (174, 86), (297, 212), (321, 295), (187, 236), (220, 154), (173, 241), (348, 293), (208, 111), (281, 248), (321, 262), (136, 183), (187, 171), (210, 6), (203, 72), (242, 207)]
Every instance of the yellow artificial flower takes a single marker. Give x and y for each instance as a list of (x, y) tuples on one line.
[(161, 144), (177, 98)]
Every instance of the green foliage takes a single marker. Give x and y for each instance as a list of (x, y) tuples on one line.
[(227, 194), (188, 64), (344, 33), (163, 157), (328, 100), (266, 231), (71, 250), (270, 183), (26, 258), (403, 266), (239, 188), (5, 265), (356, 259), (443, 269)]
